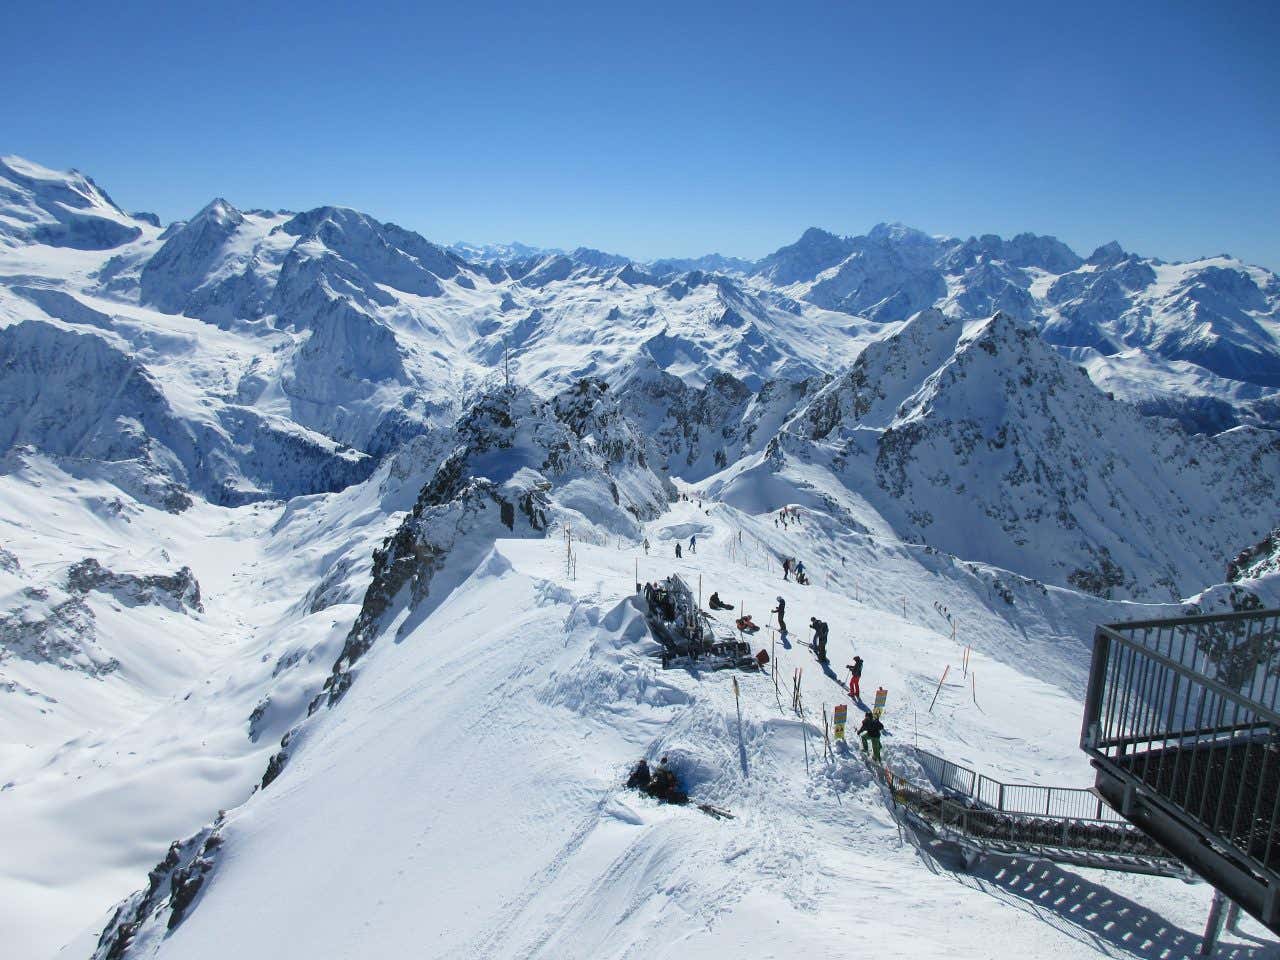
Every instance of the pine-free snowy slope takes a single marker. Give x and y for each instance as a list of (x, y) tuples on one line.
[(464, 798)]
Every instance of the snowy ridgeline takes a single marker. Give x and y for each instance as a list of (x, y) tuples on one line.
[(290, 571)]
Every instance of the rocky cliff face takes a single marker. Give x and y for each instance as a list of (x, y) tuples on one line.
[(987, 444)]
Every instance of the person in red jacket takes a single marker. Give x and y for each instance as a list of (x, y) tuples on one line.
[(855, 678)]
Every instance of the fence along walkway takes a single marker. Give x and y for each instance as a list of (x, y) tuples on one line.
[(985, 816)]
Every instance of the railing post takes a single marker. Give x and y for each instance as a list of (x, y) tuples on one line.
[(1089, 733), (1213, 929)]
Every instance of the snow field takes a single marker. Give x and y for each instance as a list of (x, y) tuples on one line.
[(465, 797)]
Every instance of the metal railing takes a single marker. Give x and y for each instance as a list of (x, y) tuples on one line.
[(1073, 830), (1025, 799), (1182, 719)]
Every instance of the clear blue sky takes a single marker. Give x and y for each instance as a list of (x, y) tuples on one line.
[(674, 129)]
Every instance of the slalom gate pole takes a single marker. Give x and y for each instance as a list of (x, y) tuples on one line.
[(973, 686), (939, 690)]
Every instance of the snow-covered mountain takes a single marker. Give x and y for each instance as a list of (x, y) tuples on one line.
[(1215, 319), (43, 206), (982, 441), (320, 542)]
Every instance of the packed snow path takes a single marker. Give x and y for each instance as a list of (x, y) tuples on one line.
[(465, 798)]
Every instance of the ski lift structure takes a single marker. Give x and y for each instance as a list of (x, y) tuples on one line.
[(687, 633)]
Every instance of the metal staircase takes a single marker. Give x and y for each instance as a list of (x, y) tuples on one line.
[(984, 817)]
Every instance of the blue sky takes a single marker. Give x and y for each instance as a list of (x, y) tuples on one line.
[(674, 129)]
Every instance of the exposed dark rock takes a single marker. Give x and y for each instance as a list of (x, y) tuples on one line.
[(174, 590)]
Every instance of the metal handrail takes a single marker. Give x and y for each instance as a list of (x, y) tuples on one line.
[(1182, 722), (1191, 672), (1109, 843), (1071, 803)]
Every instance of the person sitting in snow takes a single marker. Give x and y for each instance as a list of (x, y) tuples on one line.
[(640, 776), (664, 786)]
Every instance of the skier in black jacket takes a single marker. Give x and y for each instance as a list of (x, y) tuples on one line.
[(820, 630), (781, 611), (870, 730)]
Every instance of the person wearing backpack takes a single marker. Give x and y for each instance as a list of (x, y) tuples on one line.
[(855, 678), (870, 731)]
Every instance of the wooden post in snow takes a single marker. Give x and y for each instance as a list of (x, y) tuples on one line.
[(939, 690)]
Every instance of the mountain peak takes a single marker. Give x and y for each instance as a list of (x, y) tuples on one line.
[(219, 211), (816, 235), (1107, 254), (898, 233), (60, 209)]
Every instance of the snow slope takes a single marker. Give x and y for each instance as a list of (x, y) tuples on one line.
[(465, 799)]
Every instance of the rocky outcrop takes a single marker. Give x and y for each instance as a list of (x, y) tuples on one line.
[(1260, 560), (175, 591), (173, 886)]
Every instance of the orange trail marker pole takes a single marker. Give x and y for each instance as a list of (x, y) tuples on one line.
[(939, 690)]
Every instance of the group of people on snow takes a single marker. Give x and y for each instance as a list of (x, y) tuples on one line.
[(871, 728), (790, 565)]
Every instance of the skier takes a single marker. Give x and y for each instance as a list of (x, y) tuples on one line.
[(870, 730), (718, 604), (781, 610), (820, 629), (786, 568), (799, 569), (646, 546), (693, 543), (678, 553), (855, 678)]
